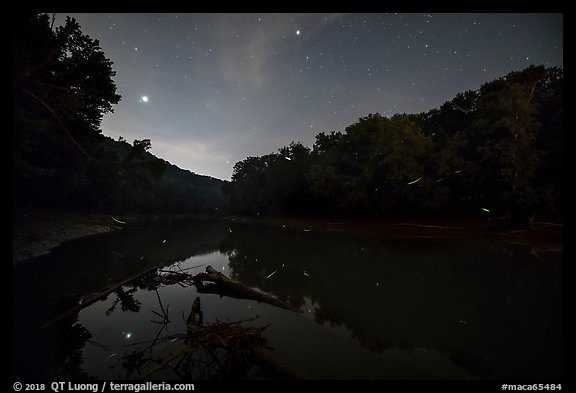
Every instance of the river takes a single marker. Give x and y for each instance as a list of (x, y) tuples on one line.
[(373, 306)]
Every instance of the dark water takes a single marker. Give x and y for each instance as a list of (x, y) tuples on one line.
[(373, 307)]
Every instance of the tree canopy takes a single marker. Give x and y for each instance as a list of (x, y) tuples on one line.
[(62, 87), (497, 149)]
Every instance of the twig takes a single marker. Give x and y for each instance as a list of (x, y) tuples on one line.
[(41, 101), (160, 315), (162, 307)]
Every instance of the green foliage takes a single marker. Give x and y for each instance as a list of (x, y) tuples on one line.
[(126, 178), (500, 146), (62, 87), (271, 184), (509, 161), (140, 146)]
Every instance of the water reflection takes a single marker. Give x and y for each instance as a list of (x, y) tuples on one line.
[(495, 310), (373, 308), (54, 283)]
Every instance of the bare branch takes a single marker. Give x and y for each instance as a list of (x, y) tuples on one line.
[(41, 101)]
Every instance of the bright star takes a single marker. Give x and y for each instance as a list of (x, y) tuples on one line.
[(297, 32), (144, 99)]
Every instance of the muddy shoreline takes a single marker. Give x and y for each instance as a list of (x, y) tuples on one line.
[(36, 233)]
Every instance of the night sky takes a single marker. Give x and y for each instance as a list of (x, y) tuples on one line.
[(211, 89)]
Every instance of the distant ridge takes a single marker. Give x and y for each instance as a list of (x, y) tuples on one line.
[(176, 190)]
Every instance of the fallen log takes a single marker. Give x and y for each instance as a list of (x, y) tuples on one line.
[(225, 286)]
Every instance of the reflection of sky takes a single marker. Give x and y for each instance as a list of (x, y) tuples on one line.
[(221, 87), (322, 351), (374, 306)]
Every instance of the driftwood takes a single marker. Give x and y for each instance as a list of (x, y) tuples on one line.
[(225, 286), (93, 299), (236, 340)]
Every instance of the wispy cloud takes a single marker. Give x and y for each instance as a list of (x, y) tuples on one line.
[(188, 150), (245, 54)]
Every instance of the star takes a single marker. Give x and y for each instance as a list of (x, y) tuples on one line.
[(244, 66)]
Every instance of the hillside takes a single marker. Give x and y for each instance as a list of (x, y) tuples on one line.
[(154, 185), (62, 87)]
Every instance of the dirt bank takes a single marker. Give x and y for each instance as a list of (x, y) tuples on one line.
[(35, 234)]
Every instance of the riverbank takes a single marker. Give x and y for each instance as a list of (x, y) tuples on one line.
[(36, 233), (538, 234)]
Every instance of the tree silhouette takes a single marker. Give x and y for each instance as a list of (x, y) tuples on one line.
[(499, 146), (62, 86)]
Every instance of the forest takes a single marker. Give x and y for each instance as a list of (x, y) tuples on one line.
[(62, 87), (451, 220), (496, 150)]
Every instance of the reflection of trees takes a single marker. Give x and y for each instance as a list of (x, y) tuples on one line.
[(57, 352), (490, 311), (89, 264), (56, 282), (255, 252), (126, 299), (252, 258), (86, 265), (73, 340), (212, 351), (215, 351)]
